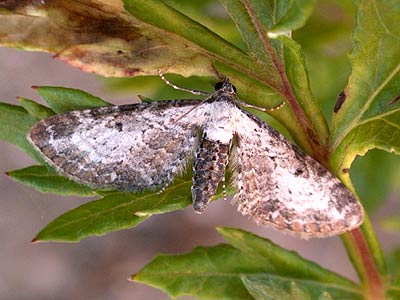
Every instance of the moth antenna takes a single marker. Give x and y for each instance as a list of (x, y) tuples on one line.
[(194, 92), (279, 106), (189, 111)]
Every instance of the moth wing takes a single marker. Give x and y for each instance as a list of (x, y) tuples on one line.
[(281, 186), (127, 147)]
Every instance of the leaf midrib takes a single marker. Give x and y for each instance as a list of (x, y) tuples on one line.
[(262, 275)]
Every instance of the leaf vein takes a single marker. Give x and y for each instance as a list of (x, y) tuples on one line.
[(379, 17), (380, 116)]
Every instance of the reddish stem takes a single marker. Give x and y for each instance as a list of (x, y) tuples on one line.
[(373, 285)]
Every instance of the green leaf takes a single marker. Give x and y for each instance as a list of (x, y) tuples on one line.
[(35, 109), (63, 99), (369, 116), (281, 262), (115, 211), (252, 19), (14, 125), (226, 272), (46, 180), (205, 273)]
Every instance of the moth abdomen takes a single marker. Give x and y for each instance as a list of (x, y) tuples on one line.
[(208, 171)]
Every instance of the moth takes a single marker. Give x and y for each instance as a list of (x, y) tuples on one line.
[(145, 146)]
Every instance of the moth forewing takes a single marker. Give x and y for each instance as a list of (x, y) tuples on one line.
[(119, 147)]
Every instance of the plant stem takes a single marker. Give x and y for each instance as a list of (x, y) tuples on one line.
[(366, 256)]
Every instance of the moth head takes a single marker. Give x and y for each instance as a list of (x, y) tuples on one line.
[(225, 86)]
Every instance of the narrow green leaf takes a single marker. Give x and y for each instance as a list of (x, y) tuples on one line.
[(226, 272), (46, 180), (115, 211), (35, 109), (14, 125), (252, 19), (15, 122), (256, 19), (63, 99), (297, 75)]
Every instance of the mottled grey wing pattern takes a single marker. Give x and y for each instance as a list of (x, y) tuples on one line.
[(281, 186), (127, 147)]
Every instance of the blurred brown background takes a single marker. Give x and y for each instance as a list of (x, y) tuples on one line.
[(98, 267)]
